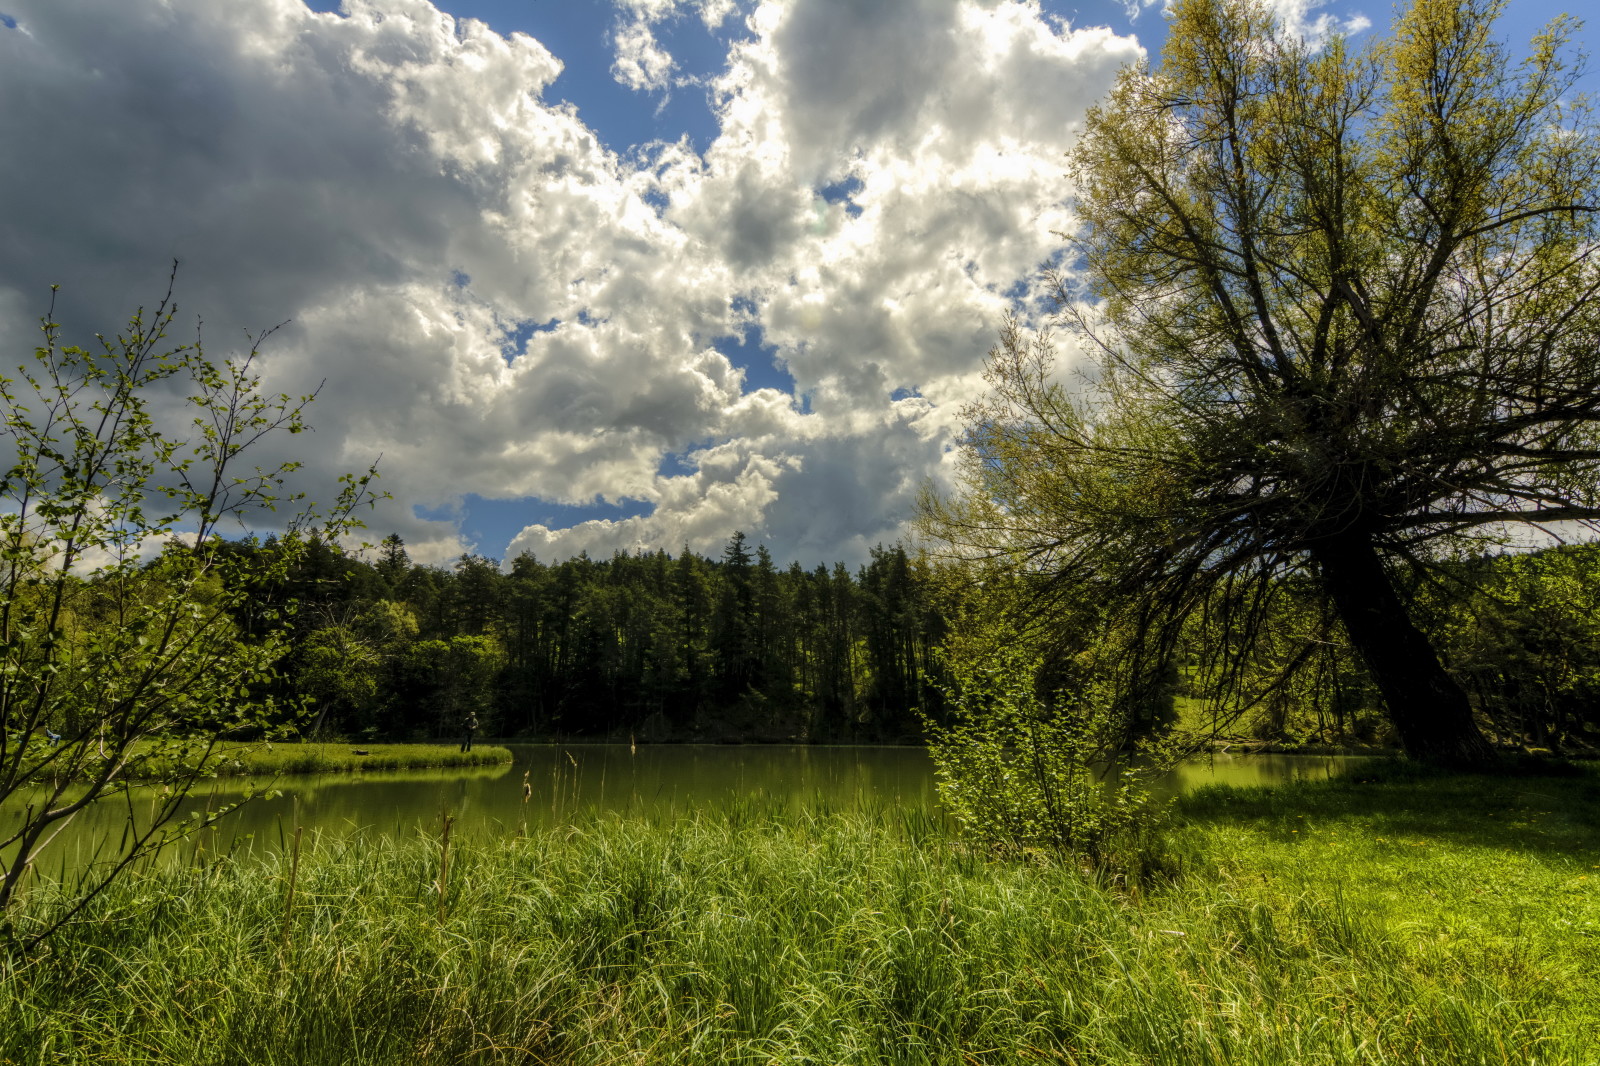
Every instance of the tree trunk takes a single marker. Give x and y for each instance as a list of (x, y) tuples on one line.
[(1428, 708)]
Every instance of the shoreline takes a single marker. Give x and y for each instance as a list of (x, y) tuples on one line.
[(237, 759), (324, 757), (1216, 747)]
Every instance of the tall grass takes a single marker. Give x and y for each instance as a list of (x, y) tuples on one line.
[(760, 934)]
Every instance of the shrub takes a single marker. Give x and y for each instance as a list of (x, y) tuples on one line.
[(1026, 774)]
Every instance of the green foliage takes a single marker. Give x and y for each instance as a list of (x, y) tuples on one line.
[(336, 669), (1337, 309), (1024, 773), (645, 644), (1523, 633), (120, 654), (450, 679)]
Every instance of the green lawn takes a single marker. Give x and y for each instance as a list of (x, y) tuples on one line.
[(1409, 919)]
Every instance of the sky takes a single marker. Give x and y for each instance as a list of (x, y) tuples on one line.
[(588, 275)]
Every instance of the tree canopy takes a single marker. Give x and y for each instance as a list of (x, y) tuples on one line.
[(1338, 314)]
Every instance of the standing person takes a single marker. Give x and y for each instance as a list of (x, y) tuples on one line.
[(471, 726)]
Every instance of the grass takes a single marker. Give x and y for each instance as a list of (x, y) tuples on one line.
[(263, 760), (317, 758), (1477, 880), (1408, 919)]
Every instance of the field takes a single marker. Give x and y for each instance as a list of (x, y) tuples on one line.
[(1403, 918)]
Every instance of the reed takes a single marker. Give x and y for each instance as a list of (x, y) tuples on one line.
[(288, 896), (443, 881)]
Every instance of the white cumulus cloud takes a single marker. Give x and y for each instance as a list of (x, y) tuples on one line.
[(503, 307), (641, 63), (1304, 19)]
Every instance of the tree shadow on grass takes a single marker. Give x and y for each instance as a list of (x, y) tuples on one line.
[(1551, 808)]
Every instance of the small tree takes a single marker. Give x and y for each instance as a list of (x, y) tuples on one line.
[(1026, 771), (119, 657), (1342, 312), (338, 671)]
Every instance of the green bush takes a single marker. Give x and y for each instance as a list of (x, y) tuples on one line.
[(1024, 773)]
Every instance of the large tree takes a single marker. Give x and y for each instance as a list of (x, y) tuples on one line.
[(1338, 314)]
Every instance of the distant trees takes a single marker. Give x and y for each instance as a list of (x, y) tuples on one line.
[(1341, 313), (441, 681), (1523, 633), (649, 644)]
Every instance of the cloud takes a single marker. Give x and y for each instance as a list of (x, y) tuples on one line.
[(641, 63), (1132, 9), (938, 128), (503, 307), (1296, 17), (712, 13)]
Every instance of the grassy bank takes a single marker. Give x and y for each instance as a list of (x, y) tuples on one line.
[(1408, 920), (297, 758), (258, 759)]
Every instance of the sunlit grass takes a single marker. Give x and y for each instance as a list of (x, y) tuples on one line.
[(1406, 920), (260, 759), (1472, 879), (298, 758)]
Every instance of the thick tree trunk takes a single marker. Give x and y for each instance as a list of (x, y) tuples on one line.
[(1428, 708)]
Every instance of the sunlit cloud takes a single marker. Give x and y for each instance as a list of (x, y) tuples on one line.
[(773, 334)]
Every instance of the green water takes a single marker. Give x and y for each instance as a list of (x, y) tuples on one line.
[(563, 781)]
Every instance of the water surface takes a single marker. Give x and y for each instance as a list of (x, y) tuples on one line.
[(550, 784)]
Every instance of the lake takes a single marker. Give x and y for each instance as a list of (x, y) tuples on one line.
[(567, 780)]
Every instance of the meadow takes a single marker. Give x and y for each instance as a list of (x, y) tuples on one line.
[(319, 758), (259, 759), (1391, 917)]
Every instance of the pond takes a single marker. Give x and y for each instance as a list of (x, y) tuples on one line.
[(567, 780)]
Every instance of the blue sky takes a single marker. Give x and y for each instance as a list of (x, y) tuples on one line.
[(657, 271)]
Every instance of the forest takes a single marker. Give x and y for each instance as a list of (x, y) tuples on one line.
[(654, 647), (648, 646)]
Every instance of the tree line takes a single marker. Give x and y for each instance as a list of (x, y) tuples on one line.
[(647, 645), (656, 646), (1518, 631)]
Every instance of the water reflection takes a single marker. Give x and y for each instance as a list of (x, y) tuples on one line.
[(565, 780), (1250, 770)]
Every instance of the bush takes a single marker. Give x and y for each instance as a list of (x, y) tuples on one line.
[(1025, 774)]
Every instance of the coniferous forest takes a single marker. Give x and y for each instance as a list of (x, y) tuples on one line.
[(652, 646)]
